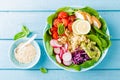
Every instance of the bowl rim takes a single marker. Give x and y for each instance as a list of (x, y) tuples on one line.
[(83, 69), (34, 62)]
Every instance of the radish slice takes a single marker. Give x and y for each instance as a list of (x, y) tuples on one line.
[(57, 50), (64, 50), (58, 59), (67, 56), (67, 63), (66, 47), (61, 53), (54, 43)]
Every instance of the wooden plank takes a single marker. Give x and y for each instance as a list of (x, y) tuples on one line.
[(59, 75), (111, 61), (52, 5), (11, 22)]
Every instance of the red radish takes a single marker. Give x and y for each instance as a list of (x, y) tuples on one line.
[(64, 50), (58, 59), (67, 56), (61, 53), (57, 50), (66, 47), (54, 43), (67, 63)]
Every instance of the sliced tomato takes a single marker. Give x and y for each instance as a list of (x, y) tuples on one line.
[(53, 29), (55, 35), (70, 26), (72, 18), (65, 22), (56, 22), (63, 15)]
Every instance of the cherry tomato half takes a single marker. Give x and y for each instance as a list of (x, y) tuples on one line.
[(63, 15), (56, 22), (65, 22), (70, 26), (72, 18)]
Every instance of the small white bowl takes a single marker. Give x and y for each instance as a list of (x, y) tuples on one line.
[(20, 65)]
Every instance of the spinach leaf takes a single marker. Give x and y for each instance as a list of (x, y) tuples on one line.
[(104, 42), (90, 11), (43, 70), (104, 25), (99, 31), (47, 38), (19, 35), (69, 10), (61, 29), (88, 63), (51, 18), (95, 39)]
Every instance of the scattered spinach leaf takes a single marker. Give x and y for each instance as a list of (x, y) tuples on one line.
[(43, 70)]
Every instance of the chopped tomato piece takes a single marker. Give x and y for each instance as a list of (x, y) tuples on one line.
[(56, 22), (63, 15), (70, 26), (65, 22), (53, 29), (55, 35), (72, 18)]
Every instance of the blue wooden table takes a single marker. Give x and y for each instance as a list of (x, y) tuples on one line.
[(33, 14)]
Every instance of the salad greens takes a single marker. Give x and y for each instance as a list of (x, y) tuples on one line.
[(24, 33), (91, 11), (99, 36), (43, 70), (61, 29)]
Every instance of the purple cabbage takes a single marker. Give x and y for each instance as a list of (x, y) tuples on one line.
[(79, 56)]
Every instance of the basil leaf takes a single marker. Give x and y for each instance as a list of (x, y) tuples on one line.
[(43, 70), (61, 29), (90, 11), (51, 18), (25, 30), (19, 35)]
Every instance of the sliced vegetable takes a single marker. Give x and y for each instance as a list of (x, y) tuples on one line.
[(67, 56), (54, 43), (63, 15), (58, 59), (67, 63), (57, 50)]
